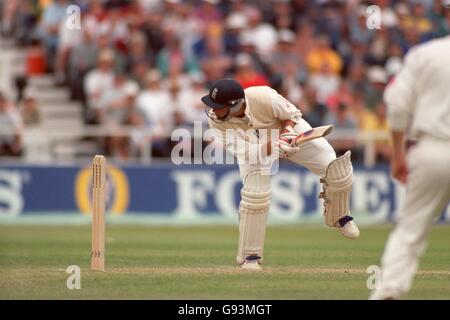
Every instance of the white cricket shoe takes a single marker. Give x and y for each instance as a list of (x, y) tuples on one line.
[(349, 229), (251, 265)]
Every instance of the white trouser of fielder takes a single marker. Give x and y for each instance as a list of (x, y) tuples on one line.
[(427, 195), (315, 155)]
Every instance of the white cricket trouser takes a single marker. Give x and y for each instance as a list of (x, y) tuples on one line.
[(427, 195), (315, 155)]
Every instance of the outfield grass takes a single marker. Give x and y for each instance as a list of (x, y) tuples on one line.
[(198, 263)]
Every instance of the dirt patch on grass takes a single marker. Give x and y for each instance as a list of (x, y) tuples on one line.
[(210, 270), (265, 270)]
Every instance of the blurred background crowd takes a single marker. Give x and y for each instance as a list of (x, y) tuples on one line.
[(146, 63)]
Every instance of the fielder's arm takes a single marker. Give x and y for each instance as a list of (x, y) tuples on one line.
[(399, 168), (400, 98)]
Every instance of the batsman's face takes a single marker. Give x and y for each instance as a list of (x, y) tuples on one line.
[(221, 113)]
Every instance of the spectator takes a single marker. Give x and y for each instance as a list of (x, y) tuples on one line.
[(357, 21), (81, 60), (184, 24), (154, 104), (246, 74), (444, 25), (216, 63), (304, 41), (8, 13), (29, 110), (153, 31), (97, 82), (115, 104), (192, 109), (172, 53), (247, 46), (26, 19), (284, 56), (95, 19), (364, 117), (357, 79), (149, 6), (53, 16), (313, 111), (325, 82), (382, 147), (138, 53), (69, 38), (263, 35), (332, 22), (117, 29), (176, 103), (377, 82), (417, 19), (283, 16), (11, 129), (138, 139), (377, 54), (388, 16), (372, 122), (286, 67), (235, 24), (208, 13), (343, 120), (322, 54), (342, 95)]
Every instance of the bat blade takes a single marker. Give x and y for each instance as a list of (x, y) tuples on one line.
[(314, 133)]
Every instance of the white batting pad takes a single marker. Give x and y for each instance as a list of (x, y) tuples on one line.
[(337, 187), (253, 209)]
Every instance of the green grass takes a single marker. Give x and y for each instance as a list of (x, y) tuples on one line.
[(198, 263)]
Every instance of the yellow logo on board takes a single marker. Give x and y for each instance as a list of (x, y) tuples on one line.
[(116, 187)]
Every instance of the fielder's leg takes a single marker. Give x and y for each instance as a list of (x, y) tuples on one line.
[(336, 177), (427, 195), (253, 210)]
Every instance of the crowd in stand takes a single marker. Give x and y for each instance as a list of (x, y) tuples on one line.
[(146, 63)]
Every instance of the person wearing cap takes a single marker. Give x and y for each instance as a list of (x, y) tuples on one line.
[(257, 125), (418, 101), (11, 129), (235, 24)]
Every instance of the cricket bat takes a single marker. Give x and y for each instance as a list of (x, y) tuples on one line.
[(314, 133)]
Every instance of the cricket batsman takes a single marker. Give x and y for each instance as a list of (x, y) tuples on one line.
[(420, 91), (247, 120)]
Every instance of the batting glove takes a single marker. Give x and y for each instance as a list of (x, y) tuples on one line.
[(285, 143)]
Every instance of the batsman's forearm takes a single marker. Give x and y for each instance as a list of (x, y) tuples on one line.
[(287, 123), (398, 143)]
